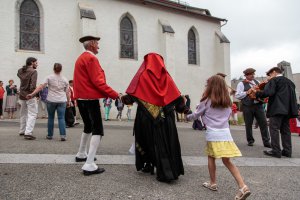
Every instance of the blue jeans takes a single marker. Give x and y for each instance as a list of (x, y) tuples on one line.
[(61, 109)]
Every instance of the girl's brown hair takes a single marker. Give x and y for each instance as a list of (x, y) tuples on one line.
[(216, 90)]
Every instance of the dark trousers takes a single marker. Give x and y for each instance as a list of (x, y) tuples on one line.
[(1, 107), (91, 116), (258, 112), (73, 108), (280, 124)]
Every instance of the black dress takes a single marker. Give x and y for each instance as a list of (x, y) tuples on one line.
[(156, 138)]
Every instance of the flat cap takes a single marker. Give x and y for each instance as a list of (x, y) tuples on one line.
[(87, 38), (277, 69), (249, 71), (221, 74)]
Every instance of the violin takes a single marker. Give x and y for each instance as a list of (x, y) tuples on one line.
[(256, 88)]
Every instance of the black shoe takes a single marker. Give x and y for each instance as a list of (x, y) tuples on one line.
[(48, 137), (148, 168), (272, 154), (29, 137), (163, 180), (82, 159), (268, 145), (63, 139), (250, 144), (285, 154), (21, 134), (97, 171)]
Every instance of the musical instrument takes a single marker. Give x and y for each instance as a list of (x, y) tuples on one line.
[(232, 91), (256, 88)]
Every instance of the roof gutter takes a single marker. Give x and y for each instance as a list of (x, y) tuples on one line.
[(184, 8)]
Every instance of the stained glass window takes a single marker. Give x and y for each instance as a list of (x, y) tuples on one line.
[(29, 26), (192, 49), (127, 45)]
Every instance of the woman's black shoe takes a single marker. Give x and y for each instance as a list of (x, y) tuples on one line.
[(148, 168)]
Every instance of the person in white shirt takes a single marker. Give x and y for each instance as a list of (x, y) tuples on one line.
[(57, 100), (252, 108)]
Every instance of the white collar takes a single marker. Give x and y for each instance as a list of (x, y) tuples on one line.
[(279, 75), (90, 52)]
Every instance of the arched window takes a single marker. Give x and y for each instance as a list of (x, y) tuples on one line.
[(29, 26), (127, 38), (192, 48)]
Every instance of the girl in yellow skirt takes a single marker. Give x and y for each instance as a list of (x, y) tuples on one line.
[(215, 110)]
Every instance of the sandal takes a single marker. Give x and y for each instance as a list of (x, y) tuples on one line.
[(212, 187), (243, 193)]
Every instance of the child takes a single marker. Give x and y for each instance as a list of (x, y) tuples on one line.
[(119, 104), (107, 106), (234, 114), (129, 112), (215, 110)]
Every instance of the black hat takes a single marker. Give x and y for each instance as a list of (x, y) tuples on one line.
[(249, 71), (221, 74), (87, 38)]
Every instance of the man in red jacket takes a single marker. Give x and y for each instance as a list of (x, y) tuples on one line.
[(89, 86)]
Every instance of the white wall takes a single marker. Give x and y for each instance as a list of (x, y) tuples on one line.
[(62, 29)]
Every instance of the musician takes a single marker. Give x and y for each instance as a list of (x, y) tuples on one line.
[(282, 106), (252, 108), (222, 75), (230, 89)]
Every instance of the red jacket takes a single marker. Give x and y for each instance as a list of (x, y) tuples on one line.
[(2, 91), (89, 79)]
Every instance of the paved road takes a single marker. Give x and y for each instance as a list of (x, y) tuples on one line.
[(52, 173)]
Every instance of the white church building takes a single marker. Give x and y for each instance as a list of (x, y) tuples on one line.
[(189, 39)]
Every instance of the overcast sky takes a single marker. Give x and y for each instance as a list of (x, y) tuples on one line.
[(262, 32)]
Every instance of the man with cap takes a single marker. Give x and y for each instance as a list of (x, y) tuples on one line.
[(282, 106), (89, 86), (221, 74), (230, 89), (252, 108)]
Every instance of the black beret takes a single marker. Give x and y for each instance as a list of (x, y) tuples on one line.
[(87, 38)]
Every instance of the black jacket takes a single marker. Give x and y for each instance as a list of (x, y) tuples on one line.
[(282, 97)]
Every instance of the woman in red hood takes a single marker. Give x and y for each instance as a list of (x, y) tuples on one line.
[(156, 138)]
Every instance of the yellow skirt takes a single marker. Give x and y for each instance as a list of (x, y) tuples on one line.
[(227, 149)]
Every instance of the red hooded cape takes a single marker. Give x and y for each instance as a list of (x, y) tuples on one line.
[(152, 82)]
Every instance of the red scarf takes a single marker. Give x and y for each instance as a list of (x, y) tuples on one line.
[(152, 82)]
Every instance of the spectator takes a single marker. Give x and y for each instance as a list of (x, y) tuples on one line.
[(2, 91), (107, 106), (11, 99), (234, 116), (57, 100), (187, 104), (120, 106), (129, 106), (73, 102), (43, 96), (29, 107)]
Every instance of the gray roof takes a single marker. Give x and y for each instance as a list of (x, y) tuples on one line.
[(181, 6)]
